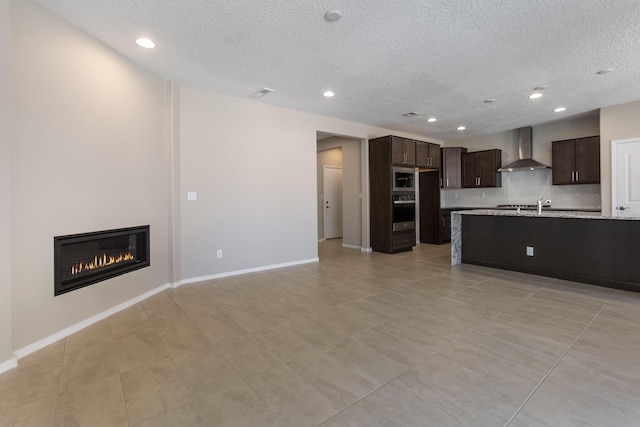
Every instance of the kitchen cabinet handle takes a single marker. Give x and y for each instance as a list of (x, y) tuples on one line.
[(573, 176), (447, 182), (577, 176)]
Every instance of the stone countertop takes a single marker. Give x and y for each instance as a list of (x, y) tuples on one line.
[(545, 214), (544, 209)]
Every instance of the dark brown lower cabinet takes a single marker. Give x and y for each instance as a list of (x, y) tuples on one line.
[(429, 196), (403, 240), (598, 251)]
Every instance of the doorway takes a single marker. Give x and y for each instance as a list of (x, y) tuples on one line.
[(625, 182), (332, 206), (350, 153)]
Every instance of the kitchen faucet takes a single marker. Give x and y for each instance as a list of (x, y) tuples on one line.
[(541, 203)]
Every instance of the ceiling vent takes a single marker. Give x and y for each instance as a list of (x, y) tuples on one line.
[(525, 161), (411, 114), (262, 92)]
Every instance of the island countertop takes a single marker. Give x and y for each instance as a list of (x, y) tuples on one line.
[(545, 214)]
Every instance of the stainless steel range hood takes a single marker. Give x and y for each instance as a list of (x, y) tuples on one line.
[(525, 154)]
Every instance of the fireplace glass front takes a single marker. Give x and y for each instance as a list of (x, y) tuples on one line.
[(84, 259)]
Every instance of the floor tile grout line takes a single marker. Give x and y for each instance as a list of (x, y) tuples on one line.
[(535, 389), (170, 357), (396, 377), (115, 353), (372, 391), (55, 404)]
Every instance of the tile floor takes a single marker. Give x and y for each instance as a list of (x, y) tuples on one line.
[(356, 340)]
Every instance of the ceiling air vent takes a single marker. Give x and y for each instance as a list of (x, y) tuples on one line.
[(411, 114), (262, 92)]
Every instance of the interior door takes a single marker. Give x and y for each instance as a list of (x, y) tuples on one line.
[(332, 202), (626, 194)]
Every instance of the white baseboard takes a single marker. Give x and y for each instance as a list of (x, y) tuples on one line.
[(366, 249), (321, 240), (9, 364), (25, 351), (344, 245), (248, 270)]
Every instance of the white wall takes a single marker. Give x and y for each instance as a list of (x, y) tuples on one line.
[(326, 157), (5, 190), (352, 157), (88, 153), (617, 122), (255, 185), (254, 169), (528, 186)]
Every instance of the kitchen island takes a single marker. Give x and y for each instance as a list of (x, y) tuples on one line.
[(579, 246)]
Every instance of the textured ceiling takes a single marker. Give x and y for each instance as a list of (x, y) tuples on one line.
[(439, 58)]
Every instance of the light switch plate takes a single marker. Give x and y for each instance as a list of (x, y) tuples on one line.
[(192, 196), (529, 250)]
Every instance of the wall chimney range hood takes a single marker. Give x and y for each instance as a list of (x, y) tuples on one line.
[(525, 154)]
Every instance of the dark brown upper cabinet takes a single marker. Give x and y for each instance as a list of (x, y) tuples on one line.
[(480, 169), (452, 167), (403, 151), (427, 155), (576, 161)]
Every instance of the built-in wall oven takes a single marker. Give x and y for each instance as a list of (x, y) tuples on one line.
[(404, 212), (404, 179)]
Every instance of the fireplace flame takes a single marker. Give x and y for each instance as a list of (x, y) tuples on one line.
[(100, 261)]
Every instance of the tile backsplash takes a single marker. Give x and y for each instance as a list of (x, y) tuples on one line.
[(525, 188)]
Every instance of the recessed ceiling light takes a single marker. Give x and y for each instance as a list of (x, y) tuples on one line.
[(462, 127), (559, 110), (605, 71), (262, 92), (431, 119), (146, 43), (411, 114), (328, 94), (535, 95), (333, 15), (489, 101)]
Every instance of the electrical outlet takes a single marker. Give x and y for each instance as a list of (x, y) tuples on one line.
[(219, 253), (529, 250)]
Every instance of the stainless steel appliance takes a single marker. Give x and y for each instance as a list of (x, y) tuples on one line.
[(525, 160), (404, 212), (403, 179)]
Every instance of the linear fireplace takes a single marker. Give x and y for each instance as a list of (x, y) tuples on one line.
[(83, 259)]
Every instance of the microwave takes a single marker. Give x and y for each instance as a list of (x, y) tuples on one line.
[(403, 179)]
